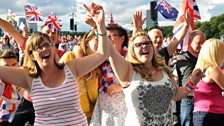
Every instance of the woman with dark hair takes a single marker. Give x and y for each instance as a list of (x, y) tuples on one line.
[(5, 43)]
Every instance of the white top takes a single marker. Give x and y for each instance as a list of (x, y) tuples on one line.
[(149, 103), (59, 106)]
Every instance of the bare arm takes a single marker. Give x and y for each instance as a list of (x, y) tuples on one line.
[(172, 46), (196, 76), (122, 68), (86, 64), (16, 76), (9, 28)]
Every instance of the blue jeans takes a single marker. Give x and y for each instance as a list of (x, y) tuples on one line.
[(186, 111), (208, 119)]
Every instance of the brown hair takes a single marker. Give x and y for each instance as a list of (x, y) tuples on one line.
[(7, 54), (32, 42)]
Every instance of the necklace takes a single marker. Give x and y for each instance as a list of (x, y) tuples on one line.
[(108, 76)]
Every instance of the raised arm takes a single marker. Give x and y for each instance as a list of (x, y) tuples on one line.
[(86, 64), (122, 68), (9, 28), (16, 76), (172, 46)]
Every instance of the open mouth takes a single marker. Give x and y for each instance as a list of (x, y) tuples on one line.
[(145, 52), (47, 56)]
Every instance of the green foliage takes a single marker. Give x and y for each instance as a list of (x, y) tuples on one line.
[(65, 33)]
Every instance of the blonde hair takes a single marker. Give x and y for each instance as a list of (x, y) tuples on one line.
[(32, 42), (84, 51), (139, 67), (211, 54), (84, 42)]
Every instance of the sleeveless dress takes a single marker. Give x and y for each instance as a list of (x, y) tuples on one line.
[(149, 103), (59, 106)]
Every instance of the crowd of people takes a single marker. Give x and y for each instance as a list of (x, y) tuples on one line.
[(107, 78)]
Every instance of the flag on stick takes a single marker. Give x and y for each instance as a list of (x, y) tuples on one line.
[(167, 10), (33, 13), (10, 16), (111, 18), (53, 22), (194, 13)]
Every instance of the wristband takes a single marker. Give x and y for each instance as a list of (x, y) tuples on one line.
[(188, 87), (101, 34)]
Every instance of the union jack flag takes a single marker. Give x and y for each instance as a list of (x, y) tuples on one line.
[(53, 22), (11, 16), (194, 13), (167, 10), (33, 13)]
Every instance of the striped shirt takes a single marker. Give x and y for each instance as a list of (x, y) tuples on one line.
[(59, 106)]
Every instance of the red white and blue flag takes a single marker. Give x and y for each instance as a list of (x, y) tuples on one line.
[(11, 16), (53, 22), (33, 13), (168, 11), (111, 18), (194, 13)]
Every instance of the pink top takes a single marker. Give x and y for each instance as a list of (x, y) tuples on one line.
[(208, 98)]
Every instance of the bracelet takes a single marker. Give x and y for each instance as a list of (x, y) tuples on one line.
[(188, 87), (94, 27), (97, 33)]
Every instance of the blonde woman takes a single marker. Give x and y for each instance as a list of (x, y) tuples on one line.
[(147, 83), (208, 94)]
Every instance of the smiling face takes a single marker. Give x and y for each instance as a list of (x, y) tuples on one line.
[(157, 38), (116, 38), (143, 49), (43, 53)]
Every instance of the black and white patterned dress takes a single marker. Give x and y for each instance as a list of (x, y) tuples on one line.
[(149, 103)]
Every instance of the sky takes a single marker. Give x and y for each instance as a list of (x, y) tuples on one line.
[(122, 10)]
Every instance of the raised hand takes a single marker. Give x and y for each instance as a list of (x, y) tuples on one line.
[(137, 19), (89, 20), (187, 18), (97, 13), (196, 76)]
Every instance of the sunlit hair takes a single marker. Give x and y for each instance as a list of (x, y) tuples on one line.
[(84, 42), (157, 60), (211, 54), (84, 51), (35, 40)]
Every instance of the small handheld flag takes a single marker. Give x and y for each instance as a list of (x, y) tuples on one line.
[(53, 22), (167, 10), (33, 13)]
